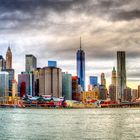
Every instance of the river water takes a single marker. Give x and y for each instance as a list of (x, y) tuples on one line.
[(70, 124)]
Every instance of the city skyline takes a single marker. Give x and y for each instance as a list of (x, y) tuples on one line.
[(50, 30)]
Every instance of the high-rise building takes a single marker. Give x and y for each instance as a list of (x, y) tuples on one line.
[(76, 89), (93, 80), (2, 63), (26, 84), (103, 80), (127, 94), (138, 91), (11, 78), (121, 75), (67, 86), (31, 63), (114, 78), (52, 64), (14, 88), (112, 92), (8, 59), (50, 81), (112, 87), (81, 67), (103, 92), (134, 94), (4, 85), (36, 81)]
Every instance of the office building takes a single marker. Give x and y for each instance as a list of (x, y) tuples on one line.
[(103, 92), (11, 78), (134, 94), (67, 86), (112, 92), (50, 81), (31, 63), (4, 86), (93, 80), (121, 75), (76, 89), (127, 94), (114, 77), (8, 59), (138, 91), (103, 80), (14, 89), (2, 63), (26, 84), (81, 67), (52, 64)]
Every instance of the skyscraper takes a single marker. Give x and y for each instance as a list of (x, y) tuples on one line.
[(93, 80), (31, 63), (67, 86), (4, 85), (2, 63), (121, 75), (81, 67), (112, 87), (8, 59), (113, 77), (50, 81), (103, 80)]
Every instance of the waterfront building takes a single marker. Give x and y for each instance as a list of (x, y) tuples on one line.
[(26, 84), (36, 80), (76, 89), (4, 86), (31, 63), (114, 77), (112, 92), (2, 63), (138, 91), (67, 86), (127, 94), (121, 75), (11, 78), (50, 81), (134, 94), (103, 92), (14, 89), (52, 64), (93, 80), (8, 59), (81, 67), (89, 96), (103, 80)]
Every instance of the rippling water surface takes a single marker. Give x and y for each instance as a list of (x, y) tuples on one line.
[(70, 124)]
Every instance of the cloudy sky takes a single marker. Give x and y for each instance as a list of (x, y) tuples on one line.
[(50, 29)]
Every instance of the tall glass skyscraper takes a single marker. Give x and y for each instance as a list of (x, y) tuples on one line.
[(121, 75), (30, 63), (81, 67)]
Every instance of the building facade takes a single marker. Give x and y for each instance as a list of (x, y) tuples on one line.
[(121, 75), (93, 80), (8, 59), (2, 63), (4, 86), (81, 67), (112, 92), (50, 81), (103, 80), (26, 84), (67, 86), (127, 94), (31, 63)]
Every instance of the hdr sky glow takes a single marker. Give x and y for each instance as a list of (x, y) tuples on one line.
[(50, 29)]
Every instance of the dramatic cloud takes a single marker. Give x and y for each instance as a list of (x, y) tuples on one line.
[(50, 29)]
